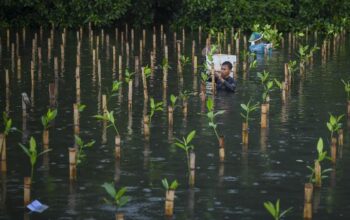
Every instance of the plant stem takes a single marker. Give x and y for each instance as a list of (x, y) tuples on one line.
[(115, 128)]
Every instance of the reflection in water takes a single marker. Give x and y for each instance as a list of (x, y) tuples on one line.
[(264, 132)]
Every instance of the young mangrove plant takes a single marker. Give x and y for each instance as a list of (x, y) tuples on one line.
[(211, 115), (128, 75), (347, 88), (81, 148), (47, 119), (275, 211), (32, 154), (109, 118), (154, 107), (334, 124), (172, 186), (173, 100), (169, 196), (270, 34), (292, 68), (184, 60), (185, 145), (165, 64), (267, 85), (317, 174), (117, 198), (247, 110), (81, 107), (7, 121)]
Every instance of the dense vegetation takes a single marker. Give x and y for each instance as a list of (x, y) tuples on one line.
[(285, 14)]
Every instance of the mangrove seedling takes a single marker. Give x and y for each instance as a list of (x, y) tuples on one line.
[(116, 87), (147, 71), (32, 154), (347, 88), (154, 107), (247, 109), (292, 67), (334, 124), (186, 146), (108, 117), (165, 64), (267, 84), (173, 100), (322, 155), (81, 107), (48, 118), (172, 186), (82, 146), (275, 211), (211, 115), (184, 95), (117, 197), (184, 60), (7, 123), (204, 77), (278, 83), (128, 75)]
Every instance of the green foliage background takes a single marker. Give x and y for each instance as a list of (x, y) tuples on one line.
[(285, 14)]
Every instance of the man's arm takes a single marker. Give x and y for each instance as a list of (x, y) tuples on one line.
[(229, 85)]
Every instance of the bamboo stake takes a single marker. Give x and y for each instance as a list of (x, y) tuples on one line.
[(308, 191), (334, 150), (264, 115), (130, 95), (117, 147), (3, 152), (245, 134), (318, 178), (76, 118), (340, 137), (144, 81), (169, 202), (27, 186), (77, 84), (192, 163), (221, 148), (72, 164)]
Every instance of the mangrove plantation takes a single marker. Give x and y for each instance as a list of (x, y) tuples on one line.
[(166, 109)]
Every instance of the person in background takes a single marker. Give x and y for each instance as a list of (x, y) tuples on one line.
[(223, 80), (257, 45)]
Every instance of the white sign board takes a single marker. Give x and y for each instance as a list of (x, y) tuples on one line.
[(218, 59)]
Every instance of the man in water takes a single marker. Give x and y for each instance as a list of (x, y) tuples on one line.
[(223, 80), (257, 45)]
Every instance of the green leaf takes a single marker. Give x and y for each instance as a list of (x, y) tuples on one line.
[(244, 107), (210, 104), (320, 146), (120, 193), (123, 200), (174, 185), (165, 184), (190, 136), (109, 187), (78, 140)]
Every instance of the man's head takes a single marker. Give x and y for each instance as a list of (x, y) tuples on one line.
[(226, 68)]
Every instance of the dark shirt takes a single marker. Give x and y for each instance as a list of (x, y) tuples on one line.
[(228, 84)]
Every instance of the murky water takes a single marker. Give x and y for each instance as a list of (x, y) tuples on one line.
[(272, 166)]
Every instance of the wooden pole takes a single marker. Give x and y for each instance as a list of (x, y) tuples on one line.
[(76, 118), (318, 178), (144, 81), (117, 142), (221, 148), (130, 95), (27, 186), (169, 202), (72, 164), (3, 152), (77, 84), (264, 115), (192, 163), (334, 150), (245, 133), (340, 137), (308, 191)]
